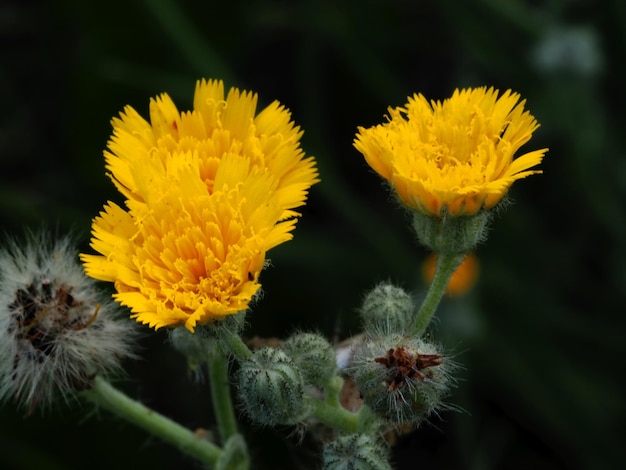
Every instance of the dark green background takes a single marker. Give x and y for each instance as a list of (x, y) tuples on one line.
[(541, 336)]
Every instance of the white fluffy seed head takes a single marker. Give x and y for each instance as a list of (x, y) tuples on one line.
[(56, 331)]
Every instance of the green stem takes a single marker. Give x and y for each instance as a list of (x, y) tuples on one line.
[(220, 394), (105, 395), (334, 416), (235, 345), (446, 265), (333, 388), (329, 411)]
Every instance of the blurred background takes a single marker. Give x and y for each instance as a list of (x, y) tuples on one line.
[(541, 335)]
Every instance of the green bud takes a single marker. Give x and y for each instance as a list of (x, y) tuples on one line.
[(356, 452), (271, 388), (402, 379), (314, 355), (388, 309), (449, 234)]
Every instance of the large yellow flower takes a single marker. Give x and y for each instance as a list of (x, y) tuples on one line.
[(454, 157), (208, 193)]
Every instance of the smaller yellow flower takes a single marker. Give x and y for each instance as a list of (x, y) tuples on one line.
[(453, 157)]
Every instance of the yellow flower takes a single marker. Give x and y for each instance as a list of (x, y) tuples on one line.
[(209, 192), (455, 157)]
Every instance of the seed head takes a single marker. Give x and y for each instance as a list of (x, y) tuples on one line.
[(56, 331)]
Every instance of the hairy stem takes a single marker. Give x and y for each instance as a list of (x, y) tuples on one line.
[(446, 265), (105, 395), (220, 394)]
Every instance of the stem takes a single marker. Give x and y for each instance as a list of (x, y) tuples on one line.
[(104, 394), (334, 416), (236, 345), (333, 390), (220, 394), (446, 265), (329, 411)]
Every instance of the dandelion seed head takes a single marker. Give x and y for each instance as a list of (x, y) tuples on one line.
[(56, 330)]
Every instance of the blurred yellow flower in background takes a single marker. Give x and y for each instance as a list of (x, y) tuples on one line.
[(454, 157), (208, 192)]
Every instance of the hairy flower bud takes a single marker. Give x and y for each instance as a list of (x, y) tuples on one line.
[(56, 331), (355, 452), (403, 379), (388, 309), (271, 388), (314, 356)]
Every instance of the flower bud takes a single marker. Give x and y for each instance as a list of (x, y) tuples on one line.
[(450, 234), (355, 452), (271, 388), (56, 331), (388, 309), (402, 379), (314, 356)]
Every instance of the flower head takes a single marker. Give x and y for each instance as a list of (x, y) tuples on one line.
[(56, 331), (209, 192), (454, 157)]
